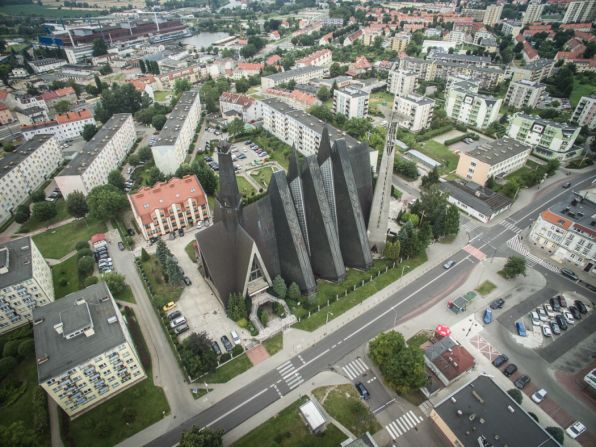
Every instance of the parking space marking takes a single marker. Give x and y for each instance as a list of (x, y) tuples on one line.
[(403, 424)]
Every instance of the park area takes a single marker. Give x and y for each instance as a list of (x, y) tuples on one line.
[(58, 242), (162, 290), (440, 153)]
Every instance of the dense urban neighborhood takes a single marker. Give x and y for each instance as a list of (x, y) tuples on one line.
[(259, 223)]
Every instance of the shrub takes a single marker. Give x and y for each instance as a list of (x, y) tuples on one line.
[(11, 348), (26, 348), (90, 281), (84, 252), (85, 266), (224, 357), (81, 244), (534, 416), (7, 364), (41, 420), (238, 349), (516, 395), (557, 433)]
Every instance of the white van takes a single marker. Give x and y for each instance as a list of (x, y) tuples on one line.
[(177, 322)]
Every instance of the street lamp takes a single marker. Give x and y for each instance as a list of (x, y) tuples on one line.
[(328, 313)]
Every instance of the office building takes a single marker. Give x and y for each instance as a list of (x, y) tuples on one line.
[(466, 105), (172, 144), (585, 112), (524, 94), (493, 159), (168, 206), (566, 230), (25, 282), (79, 53), (64, 126), (548, 138), (351, 102), (300, 75), (25, 169), (100, 155), (413, 112), (533, 12), (583, 11), (402, 82), (85, 354)]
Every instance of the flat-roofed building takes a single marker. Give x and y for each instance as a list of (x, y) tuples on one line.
[(300, 75), (85, 354), (99, 156), (585, 112), (402, 82), (25, 282), (583, 11), (475, 200), (169, 206), (350, 102), (466, 105), (524, 93), (400, 42), (534, 71), (26, 169), (64, 126), (173, 142), (493, 15), (45, 65), (414, 112), (493, 159), (533, 12)]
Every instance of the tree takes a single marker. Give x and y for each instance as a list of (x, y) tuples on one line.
[(236, 307), (158, 121), (144, 255), (236, 127), (38, 196), (452, 220), (242, 85), (62, 106), (516, 395), (120, 98), (154, 175), (85, 266), (322, 112), (99, 47), (105, 69), (432, 178), (105, 202), (116, 179), (358, 127), (405, 168), (115, 282), (392, 250), (198, 437), (89, 130), (206, 177), (323, 94), (515, 266), (142, 66), (294, 292), (383, 347), (181, 85), (76, 204), (557, 433), (279, 287), (5, 70), (16, 434), (173, 270), (163, 253), (22, 214), (145, 154), (26, 348), (44, 211)]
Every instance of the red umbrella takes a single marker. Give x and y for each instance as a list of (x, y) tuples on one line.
[(442, 330)]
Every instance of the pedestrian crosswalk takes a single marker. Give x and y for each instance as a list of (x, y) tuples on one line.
[(289, 374), (355, 368), (510, 226), (403, 424), (516, 244)]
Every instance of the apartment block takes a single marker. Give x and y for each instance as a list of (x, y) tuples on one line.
[(45, 65), (85, 354), (494, 159), (64, 126), (99, 156), (414, 113), (168, 206), (402, 82), (25, 282), (492, 15), (533, 12), (400, 42), (465, 105), (351, 102), (321, 58), (26, 169), (524, 93), (534, 71), (566, 230), (583, 11), (300, 75), (171, 147), (548, 138), (512, 28), (243, 105), (585, 112)]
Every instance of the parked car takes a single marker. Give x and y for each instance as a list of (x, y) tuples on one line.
[(569, 274), (554, 326), (554, 302), (180, 232), (580, 306), (562, 301), (497, 304), (575, 429), (177, 322), (546, 330), (449, 264), (560, 319), (120, 246), (522, 381), (539, 395), (510, 369), (500, 360), (549, 310), (235, 337), (521, 329), (575, 312), (364, 394), (169, 306), (542, 314), (130, 231), (535, 318), (173, 315), (187, 280), (568, 317), (226, 342), (180, 329), (215, 348), (488, 316)]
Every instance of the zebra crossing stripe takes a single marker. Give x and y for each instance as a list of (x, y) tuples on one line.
[(295, 384), (363, 364), (411, 417), (390, 429)]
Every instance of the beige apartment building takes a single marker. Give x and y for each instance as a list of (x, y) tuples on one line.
[(100, 155), (414, 113), (85, 354), (25, 283), (400, 42), (524, 93), (26, 169), (493, 159), (171, 146), (466, 105), (402, 82), (351, 102)]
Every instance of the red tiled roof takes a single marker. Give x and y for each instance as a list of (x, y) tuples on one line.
[(67, 117), (275, 34), (138, 84), (361, 63), (237, 98), (272, 60), (576, 26), (248, 66), (59, 93), (555, 219), (3, 95), (327, 37), (585, 36), (242, 41), (530, 51)]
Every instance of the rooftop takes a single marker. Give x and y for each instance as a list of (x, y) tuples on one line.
[(477, 197), (482, 410), (14, 158), (420, 100), (75, 329), (171, 129), (528, 83), (546, 123), (15, 262), (577, 213), (495, 152), (289, 74), (353, 92)]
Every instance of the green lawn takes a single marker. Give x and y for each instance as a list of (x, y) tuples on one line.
[(580, 90), (162, 291), (262, 176), (42, 11), (278, 150), (190, 251), (274, 344), (485, 288), (58, 242), (34, 224), (66, 277), (161, 95), (245, 187), (126, 295), (229, 370), (382, 98), (343, 403), (287, 429), (441, 153)]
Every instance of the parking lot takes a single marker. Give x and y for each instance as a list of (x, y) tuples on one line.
[(245, 157), (462, 146)]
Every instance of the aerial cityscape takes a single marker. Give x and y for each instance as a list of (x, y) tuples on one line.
[(326, 223)]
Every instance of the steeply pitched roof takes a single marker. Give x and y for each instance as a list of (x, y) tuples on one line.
[(294, 166), (325, 147)]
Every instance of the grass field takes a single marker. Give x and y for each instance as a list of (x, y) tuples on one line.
[(34, 224), (262, 176), (580, 90), (161, 95), (66, 277), (228, 371), (382, 98), (485, 288), (288, 430), (58, 242), (42, 11), (162, 291), (246, 189), (441, 153), (274, 344), (343, 403)]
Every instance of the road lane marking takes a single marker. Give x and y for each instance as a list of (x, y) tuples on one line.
[(240, 405)]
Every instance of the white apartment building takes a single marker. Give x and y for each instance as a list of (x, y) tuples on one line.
[(79, 53), (415, 113), (300, 75), (171, 147), (321, 58), (99, 156), (533, 12), (26, 169), (25, 282), (583, 11), (85, 354), (566, 231), (492, 15), (351, 102), (64, 126), (512, 28), (524, 93), (247, 107), (585, 112), (402, 82), (465, 105)]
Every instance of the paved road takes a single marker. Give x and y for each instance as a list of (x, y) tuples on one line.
[(233, 410)]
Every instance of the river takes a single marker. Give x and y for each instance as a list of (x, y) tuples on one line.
[(204, 40)]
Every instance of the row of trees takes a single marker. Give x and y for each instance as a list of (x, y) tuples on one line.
[(169, 265)]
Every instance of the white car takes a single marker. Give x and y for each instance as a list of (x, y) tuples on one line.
[(542, 314), (235, 337), (568, 317), (546, 331), (535, 319), (549, 310), (575, 429), (539, 395)]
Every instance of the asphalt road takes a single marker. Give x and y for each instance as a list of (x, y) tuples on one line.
[(238, 407)]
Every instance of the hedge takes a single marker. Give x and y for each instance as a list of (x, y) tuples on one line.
[(433, 133), (460, 138)]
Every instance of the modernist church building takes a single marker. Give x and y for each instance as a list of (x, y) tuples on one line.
[(310, 224)]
